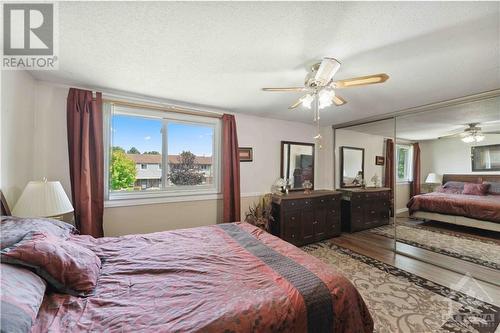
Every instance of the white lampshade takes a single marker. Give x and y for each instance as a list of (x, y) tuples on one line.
[(42, 199), (433, 178)]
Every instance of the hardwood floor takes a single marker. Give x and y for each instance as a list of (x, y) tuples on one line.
[(381, 248)]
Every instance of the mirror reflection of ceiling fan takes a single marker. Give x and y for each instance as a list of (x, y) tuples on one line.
[(319, 85), (473, 133)]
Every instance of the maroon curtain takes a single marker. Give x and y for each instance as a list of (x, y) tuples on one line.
[(231, 170), (86, 159), (389, 176), (415, 185), (389, 164)]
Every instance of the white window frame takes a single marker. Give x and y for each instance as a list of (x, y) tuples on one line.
[(408, 165), (168, 193)]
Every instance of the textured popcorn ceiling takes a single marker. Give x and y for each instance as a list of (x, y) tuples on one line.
[(439, 122), (221, 54)]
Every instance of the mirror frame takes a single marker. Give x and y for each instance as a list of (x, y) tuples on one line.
[(283, 143), (342, 184)]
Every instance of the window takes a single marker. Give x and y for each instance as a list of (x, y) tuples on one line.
[(156, 153), (404, 158)]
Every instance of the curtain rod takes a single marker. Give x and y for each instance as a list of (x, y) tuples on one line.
[(144, 101), (176, 109)]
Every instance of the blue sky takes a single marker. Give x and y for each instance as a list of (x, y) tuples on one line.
[(145, 135)]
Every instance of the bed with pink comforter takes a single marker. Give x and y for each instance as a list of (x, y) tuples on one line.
[(481, 207), (221, 278)]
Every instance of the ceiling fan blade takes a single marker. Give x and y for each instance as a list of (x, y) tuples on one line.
[(327, 69), (296, 103), (288, 89), (338, 101), (490, 132), (361, 81)]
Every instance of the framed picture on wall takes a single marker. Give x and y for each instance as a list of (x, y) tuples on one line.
[(379, 160), (485, 158), (246, 154)]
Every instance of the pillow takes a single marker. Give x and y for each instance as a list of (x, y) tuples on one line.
[(68, 267), (450, 190), (21, 296), (475, 189), (454, 185), (13, 229), (494, 187)]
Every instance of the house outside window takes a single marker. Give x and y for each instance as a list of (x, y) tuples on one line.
[(141, 141)]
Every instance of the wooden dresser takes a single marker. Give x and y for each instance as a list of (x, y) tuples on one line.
[(306, 218), (365, 208)]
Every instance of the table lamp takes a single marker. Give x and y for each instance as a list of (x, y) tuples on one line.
[(43, 199), (432, 179)]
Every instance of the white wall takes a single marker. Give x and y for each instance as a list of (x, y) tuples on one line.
[(450, 155), (17, 137), (47, 146)]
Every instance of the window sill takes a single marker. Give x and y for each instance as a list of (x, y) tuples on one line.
[(138, 200)]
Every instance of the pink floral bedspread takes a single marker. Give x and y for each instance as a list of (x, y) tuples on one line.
[(200, 280)]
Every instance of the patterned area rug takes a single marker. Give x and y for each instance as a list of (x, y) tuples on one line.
[(400, 301), (481, 252)]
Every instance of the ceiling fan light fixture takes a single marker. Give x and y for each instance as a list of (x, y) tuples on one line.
[(468, 139), (473, 137), (326, 97), (326, 71), (307, 100)]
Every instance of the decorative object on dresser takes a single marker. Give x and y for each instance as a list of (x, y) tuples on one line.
[(432, 180), (43, 199), (306, 218), (259, 214), (352, 166), (297, 163), (365, 208), (246, 154), (307, 185)]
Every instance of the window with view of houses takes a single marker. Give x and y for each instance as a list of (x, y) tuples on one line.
[(154, 152)]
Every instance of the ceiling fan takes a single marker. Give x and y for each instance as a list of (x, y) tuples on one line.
[(319, 85), (473, 133)]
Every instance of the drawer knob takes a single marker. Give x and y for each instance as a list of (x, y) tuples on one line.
[(293, 203), (322, 200), (373, 212), (293, 218), (293, 236), (315, 222)]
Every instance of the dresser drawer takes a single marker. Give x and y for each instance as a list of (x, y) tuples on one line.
[(292, 218), (293, 204)]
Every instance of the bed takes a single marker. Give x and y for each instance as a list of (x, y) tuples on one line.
[(221, 278), (467, 210)]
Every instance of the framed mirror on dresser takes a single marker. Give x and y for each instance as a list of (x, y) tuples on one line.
[(352, 166), (297, 164)]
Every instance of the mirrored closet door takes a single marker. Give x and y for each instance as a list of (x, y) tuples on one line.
[(363, 165), (447, 179)]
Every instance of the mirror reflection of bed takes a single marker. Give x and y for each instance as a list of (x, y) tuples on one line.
[(449, 214)]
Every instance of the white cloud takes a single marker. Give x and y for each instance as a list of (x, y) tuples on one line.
[(147, 138)]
